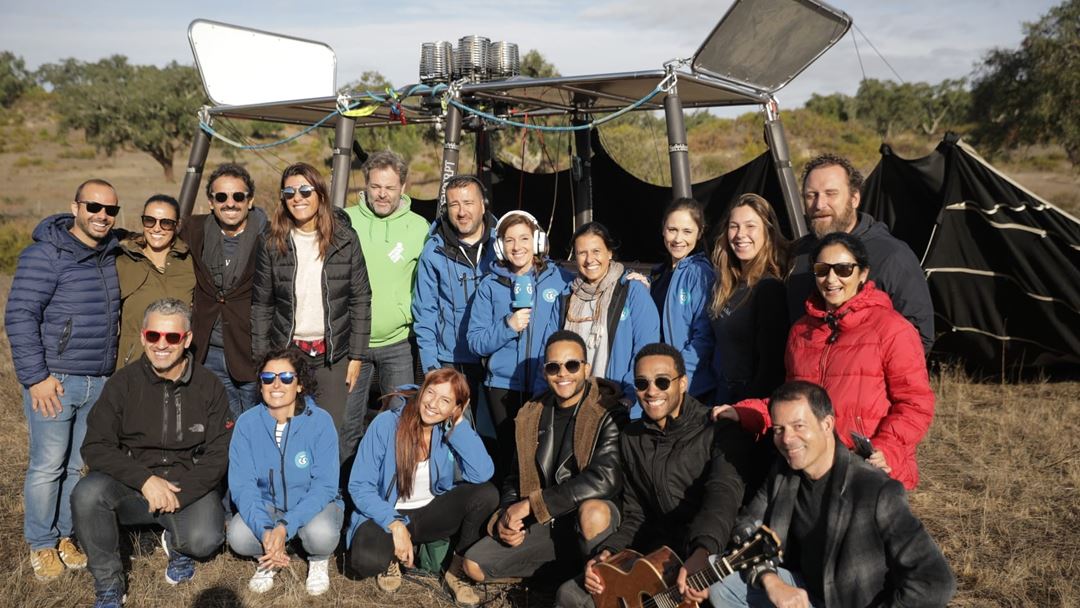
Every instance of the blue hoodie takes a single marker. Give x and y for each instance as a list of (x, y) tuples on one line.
[(445, 283), (514, 358), (300, 478), (634, 325), (685, 320), (373, 481), (63, 311)]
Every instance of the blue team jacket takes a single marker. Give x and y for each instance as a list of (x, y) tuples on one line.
[(299, 478), (514, 359), (373, 481), (445, 284), (685, 323)]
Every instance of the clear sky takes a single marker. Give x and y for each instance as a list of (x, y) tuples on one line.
[(924, 40)]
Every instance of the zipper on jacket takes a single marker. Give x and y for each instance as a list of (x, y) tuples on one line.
[(284, 486), (108, 309), (65, 337), (292, 317), (326, 315), (164, 420), (178, 406)]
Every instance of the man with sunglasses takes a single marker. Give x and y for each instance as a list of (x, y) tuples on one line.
[(157, 445), (556, 502), (62, 319), (831, 196), (225, 246), (682, 488)]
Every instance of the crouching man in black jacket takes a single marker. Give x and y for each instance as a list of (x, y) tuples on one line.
[(557, 499), (682, 486), (157, 445)]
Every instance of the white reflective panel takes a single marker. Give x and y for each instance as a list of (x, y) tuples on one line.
[(242, 66)]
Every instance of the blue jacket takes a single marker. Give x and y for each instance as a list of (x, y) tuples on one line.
[(685, 323), (632, 323), (63, 313), (299, 478), (514, 359), (445, 283), (373, 481)]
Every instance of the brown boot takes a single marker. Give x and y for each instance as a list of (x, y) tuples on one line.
[(390, 581), (455, 580)]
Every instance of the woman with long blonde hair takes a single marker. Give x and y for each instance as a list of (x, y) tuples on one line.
[(748, 308)]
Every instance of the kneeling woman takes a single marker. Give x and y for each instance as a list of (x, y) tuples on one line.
[(402, 484), (283, 475)]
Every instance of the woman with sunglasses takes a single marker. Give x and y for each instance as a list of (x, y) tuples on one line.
[(867, 356), (155, 264), (420, 475), (515, 309), (283, 475), (681, 287), (748, 310), (613, 313), (311, 294)]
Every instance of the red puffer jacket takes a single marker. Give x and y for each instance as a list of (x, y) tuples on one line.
[(874, 371)]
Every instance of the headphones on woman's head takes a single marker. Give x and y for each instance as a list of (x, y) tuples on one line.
[(540, 238)]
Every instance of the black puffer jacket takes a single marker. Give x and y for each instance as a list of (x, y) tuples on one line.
[(682, 485), (346, 296)]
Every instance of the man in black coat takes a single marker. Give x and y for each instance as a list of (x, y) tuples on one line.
[(831, 197), (849, 538), (557, 499), (682, 488)]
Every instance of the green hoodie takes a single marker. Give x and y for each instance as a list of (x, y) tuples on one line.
[(391, 246)]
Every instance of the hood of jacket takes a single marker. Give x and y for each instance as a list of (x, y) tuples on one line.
[(442, 231), (56, 230), (133, 244)]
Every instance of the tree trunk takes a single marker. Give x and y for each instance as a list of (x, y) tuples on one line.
[(166, 163)]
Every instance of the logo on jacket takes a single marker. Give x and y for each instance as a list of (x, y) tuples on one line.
[(302, 461), (625, 313), (550, 295), (395, 253), (197, 428), (684, 297)]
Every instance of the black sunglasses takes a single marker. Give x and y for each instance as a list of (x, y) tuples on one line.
[(662, 382), (221, 197), (92, 207), (285, 377), (572, 366), (149, 221), (842, 269), (288, 192), (172, 337)]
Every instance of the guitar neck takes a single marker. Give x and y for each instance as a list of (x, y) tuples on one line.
[(701, 580)]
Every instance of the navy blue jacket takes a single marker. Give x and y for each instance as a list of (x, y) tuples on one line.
[(63, 314), (298, 478), (514, 359), (445, 283), (685, 321)]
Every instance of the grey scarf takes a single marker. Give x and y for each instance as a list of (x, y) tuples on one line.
[(587, 315)]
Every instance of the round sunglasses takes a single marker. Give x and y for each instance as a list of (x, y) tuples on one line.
[(842, 269), (172, 337), (289, 192), (661, 382), (149, 221), (572, 366), (285, 377)]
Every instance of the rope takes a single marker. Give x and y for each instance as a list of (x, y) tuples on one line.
[(882, 57)]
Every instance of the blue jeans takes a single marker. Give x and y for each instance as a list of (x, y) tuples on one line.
[(396, 368), (55, 460), (242, 395), (733, 592), (102, 504), (319, 536)]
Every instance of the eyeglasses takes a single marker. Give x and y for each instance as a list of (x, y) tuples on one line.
[(661, 382), (572, 366), (172, 337), (285, 377), (92, 207), (288, 192), (149, 221), (221, 197), (842, 269)]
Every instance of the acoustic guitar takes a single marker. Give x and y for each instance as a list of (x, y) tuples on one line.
[(633, 580)]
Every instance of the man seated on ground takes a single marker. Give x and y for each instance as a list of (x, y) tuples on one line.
[(847, 533), (557, 498), (157, 445), (682, 488)]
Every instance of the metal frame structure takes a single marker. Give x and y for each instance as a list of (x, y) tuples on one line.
[(579, 98)]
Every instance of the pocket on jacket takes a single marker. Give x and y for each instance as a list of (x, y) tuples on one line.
[(65, 337)]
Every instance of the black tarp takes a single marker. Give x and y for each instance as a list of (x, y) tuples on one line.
[(1003, 265)]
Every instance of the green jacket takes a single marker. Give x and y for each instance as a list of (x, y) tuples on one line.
[(142, 283), (391, 246)]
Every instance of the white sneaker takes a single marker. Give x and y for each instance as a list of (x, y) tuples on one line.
[(318, 576), (263, 580)]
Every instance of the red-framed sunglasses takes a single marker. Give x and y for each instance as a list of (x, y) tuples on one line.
[(172, 337)]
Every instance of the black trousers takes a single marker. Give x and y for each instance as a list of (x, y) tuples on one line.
[(463, 510), (504, 405)]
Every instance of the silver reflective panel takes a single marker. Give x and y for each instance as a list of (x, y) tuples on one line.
[(764, 44), (243, 66)]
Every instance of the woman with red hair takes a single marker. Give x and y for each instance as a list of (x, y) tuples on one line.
[(420, 475)]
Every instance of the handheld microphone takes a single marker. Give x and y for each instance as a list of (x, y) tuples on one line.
[(523, 291)]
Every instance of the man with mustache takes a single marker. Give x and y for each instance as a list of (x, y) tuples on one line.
[(831, 197)]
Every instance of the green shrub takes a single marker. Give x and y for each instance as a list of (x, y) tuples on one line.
[(14, 237)]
